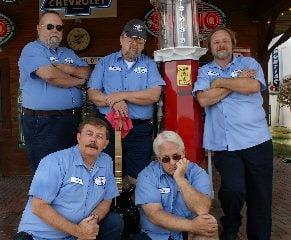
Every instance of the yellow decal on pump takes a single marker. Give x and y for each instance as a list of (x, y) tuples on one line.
[(184, 75)]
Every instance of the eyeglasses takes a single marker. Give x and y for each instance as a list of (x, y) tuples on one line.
[(50, 26), (166, 159), (138, 40)]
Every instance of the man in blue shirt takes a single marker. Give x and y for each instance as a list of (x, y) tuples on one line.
[(237, 132), (71, 192), (50, 83), (173, 194), (129, 82)]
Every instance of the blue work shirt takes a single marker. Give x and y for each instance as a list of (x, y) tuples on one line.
[(154, 185), (111, 75), (238, 121), (38, 94), (63, 181)]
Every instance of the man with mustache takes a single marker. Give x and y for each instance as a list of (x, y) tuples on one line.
[(236, 131), (129, 82), (174, 194), (50, 86), (71, 192)]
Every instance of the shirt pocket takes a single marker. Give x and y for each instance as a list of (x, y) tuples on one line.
[(72, 192)]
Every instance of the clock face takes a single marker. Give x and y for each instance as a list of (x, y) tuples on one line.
[(78, 39)]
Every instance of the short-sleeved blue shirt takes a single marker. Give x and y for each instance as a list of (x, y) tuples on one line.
[(63, 181), (111, 75), (238, 121), (38, 94), (154, 185)]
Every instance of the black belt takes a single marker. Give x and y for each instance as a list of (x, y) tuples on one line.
[(66, 112)]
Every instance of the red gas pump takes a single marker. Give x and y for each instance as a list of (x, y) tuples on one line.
[(179, 54)]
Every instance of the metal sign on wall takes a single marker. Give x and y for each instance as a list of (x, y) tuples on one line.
[(80, 7), (7, 29), (209, 17), (275, 68)]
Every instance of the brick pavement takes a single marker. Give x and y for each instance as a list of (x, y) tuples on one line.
[(13, 195)]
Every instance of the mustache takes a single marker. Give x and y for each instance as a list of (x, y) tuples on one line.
[(92, 145), (222, 49)]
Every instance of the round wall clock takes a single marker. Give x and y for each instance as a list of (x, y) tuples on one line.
[(78, 39)]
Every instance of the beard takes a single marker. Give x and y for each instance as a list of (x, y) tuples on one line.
[(54, 41), (222, 54), (131, 54)]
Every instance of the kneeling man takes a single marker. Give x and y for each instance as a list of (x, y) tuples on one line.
[(173, 194), (71, 192)]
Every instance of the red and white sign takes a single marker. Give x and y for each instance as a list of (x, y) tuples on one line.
[(7, 29), (209, 17)]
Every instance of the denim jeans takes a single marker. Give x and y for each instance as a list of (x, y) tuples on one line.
[(111, 227), (47, 134)]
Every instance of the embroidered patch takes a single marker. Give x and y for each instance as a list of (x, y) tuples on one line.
[(77, 180), (235, 73), (165, 190), (53, 59), (140, 70), (69, 60), (100, 181), (212, 73), (113, 68)]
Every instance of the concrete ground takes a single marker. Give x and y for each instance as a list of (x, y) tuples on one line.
[(13, 196)]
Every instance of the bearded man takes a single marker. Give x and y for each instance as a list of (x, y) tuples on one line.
[(237, 132), (129, 82), (50, 85)]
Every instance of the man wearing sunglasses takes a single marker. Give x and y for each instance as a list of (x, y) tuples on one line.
[(129, 82), (173, 194), (50, 83)]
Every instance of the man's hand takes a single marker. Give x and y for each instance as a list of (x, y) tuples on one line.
[(182, 165), (205, 225), (217, 83), (66, 68), (248, 73), (88, 228), (121, 108), (116, 97)]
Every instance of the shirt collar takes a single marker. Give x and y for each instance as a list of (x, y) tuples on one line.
[(213, 64), (57, 50), (78, 160), (119, 56)]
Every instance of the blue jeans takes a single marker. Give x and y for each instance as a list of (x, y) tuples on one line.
[(111, 227), (47, 134), (246, 175), (137, 146)]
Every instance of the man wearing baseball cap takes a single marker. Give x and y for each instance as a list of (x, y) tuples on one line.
[(129, 82)]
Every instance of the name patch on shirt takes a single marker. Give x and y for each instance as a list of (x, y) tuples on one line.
[(100, 181), (165, 190), (140, 70), (212, 73), (77, 180), (235, 73), (69, 60), (113, 68), (53, 59)]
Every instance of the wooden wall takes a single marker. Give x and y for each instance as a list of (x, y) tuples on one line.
[(105, 39)]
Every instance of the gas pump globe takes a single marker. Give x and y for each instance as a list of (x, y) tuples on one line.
[(179, 52)]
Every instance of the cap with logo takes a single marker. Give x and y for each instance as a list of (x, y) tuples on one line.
[(135, 28)]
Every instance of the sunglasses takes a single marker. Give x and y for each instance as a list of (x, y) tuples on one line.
[(166, 159), (138, 40), (50, 26)]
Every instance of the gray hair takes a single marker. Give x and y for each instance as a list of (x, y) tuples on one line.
[(169, 136)]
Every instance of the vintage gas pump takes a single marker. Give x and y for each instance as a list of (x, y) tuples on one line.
[(179, 52)]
